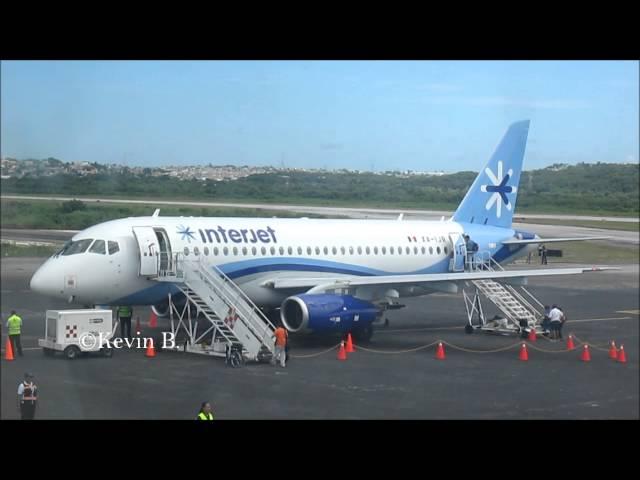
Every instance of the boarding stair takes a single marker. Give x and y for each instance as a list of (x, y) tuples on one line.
[(521, 310), (234, 321)]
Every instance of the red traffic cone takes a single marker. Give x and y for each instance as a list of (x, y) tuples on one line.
[(532, 335), (349, 348), (440, 352), (586, 356), (622, 357), (137, 325), (151, 352), (570, 345), (8, 351), (613, 351), (342, 355), (524, 355), (153, 320)]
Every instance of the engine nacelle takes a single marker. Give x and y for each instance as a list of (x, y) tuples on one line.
[(326, 313)]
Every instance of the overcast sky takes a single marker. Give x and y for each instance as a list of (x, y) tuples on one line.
[(419, 115)]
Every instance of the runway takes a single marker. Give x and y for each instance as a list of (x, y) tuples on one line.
[(372, 383)]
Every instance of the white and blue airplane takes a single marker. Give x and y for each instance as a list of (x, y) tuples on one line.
[(310, 269)]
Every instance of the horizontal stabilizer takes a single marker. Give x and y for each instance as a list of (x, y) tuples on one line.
[(550, 240)]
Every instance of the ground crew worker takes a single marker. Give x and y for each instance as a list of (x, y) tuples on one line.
[(205, 412), (281, 337), (124, 316), (27, 397), (14, 324)]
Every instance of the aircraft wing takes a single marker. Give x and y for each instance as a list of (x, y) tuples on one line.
[(550, 240), (325, 283)]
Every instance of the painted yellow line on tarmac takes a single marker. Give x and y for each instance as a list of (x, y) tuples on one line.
[(598, 319), (429, 329)]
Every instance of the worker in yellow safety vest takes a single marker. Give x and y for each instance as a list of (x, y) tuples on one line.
[(205, 412), (14, 324), (27, 397), (124, 317)]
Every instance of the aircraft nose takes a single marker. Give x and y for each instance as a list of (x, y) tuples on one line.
[(43, 281)]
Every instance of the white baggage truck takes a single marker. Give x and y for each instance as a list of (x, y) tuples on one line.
[(76, 331)]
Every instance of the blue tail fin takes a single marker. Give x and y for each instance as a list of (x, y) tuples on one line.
[(491, 200)]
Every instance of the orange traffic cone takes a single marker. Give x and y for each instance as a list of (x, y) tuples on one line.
[(440, 352), (613, 351), (342, 354), (151, 352), (586, 356), (532, 335), (349, 348), (622, 357), (8, 351), (153, 320), (524, 355), (570, 345), (138, 325)]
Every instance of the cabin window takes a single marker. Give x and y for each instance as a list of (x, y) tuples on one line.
[(326, 251), (317, 250), (445, 250), (423, 250), (438, 250), (216, 251), (334, 250), (206, 251), (399, 250), (281, 250), (384, 250), (350, 250), (186, 251), (375, 250), (359, 250), (368, 250), (263, 250), (290, 251), (309, 250), (254, 250), (391, 250), (79, 246), (273, 250), (196, 251), (430, 250), (244, 250), (225, 250), (415, 250), (235, 251), (98, 247)]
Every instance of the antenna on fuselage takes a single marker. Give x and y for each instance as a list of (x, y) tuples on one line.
[(156, 213)]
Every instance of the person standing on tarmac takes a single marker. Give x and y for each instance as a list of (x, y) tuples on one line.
[(14, 324), (27, 397), (205, 412), (124, 317), (281, 337)]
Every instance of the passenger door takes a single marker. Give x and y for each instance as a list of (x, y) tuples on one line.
[(459, 252), (148, 247)]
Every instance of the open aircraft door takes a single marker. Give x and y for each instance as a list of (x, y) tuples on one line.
[(148, 246), (459, 251)]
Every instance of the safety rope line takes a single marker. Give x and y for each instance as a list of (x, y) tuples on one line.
[(397, 351), (502, 349), (463, 349), (602, 348), (316, 354)]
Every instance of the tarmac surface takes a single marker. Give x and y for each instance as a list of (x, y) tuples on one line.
[(553, 384)]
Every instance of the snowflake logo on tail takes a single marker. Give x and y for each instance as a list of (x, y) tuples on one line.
[(499, 189)]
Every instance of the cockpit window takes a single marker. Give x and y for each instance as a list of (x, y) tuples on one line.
[(98, 247), (79, 246), (113, 247)]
